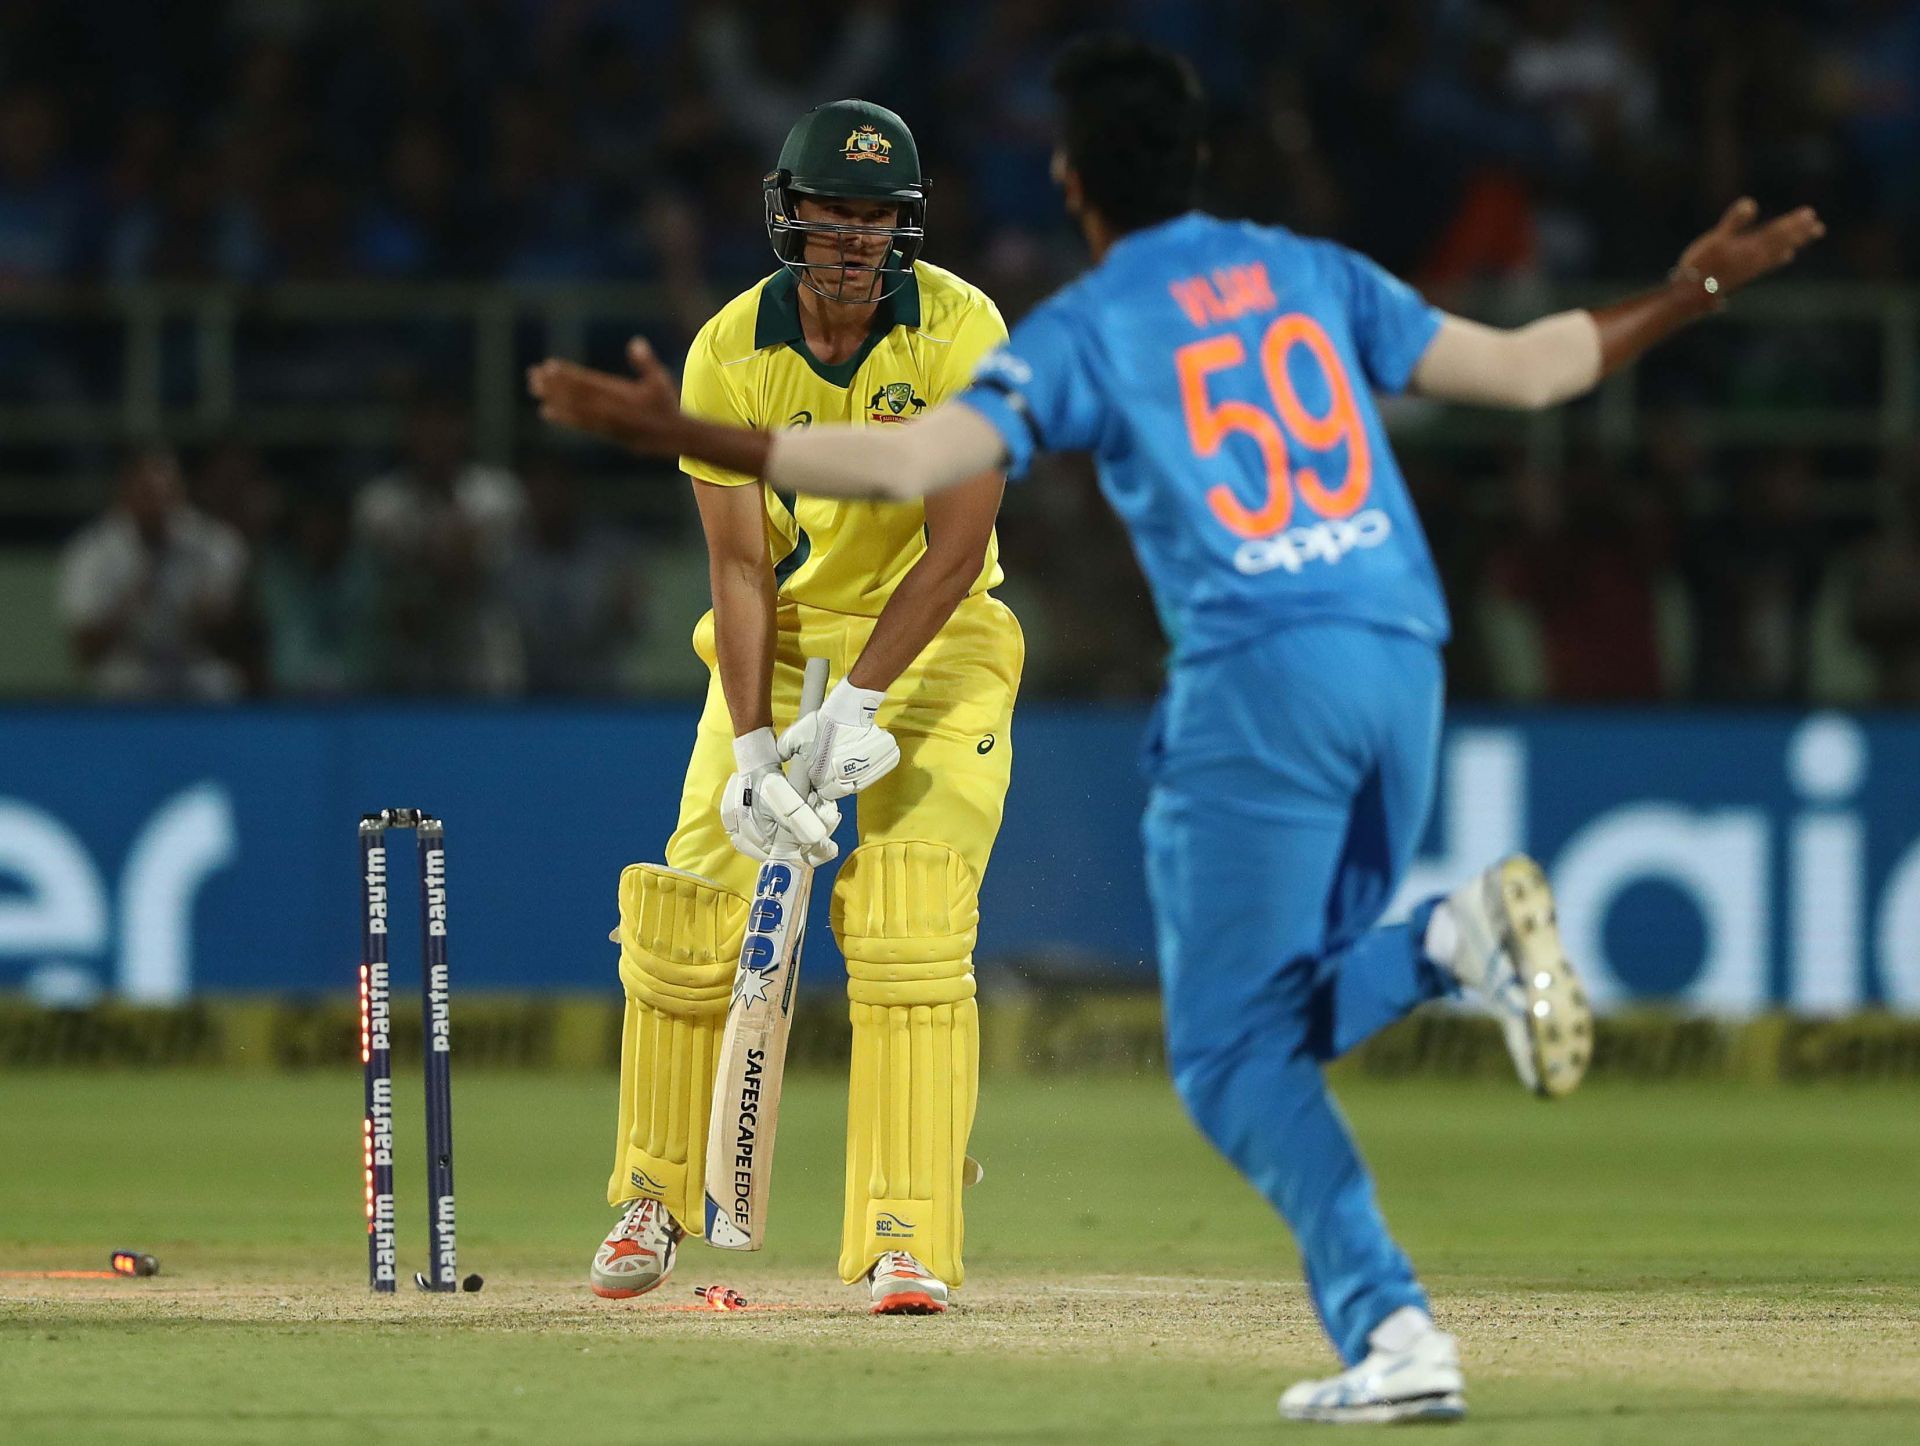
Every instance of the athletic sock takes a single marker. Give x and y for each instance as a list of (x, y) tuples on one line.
[(1441, 942), (1400, 1330)]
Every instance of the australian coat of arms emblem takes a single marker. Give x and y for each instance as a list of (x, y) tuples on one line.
[(867, 144)]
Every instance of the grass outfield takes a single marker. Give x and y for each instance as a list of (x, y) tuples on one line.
[(1636, 1264)]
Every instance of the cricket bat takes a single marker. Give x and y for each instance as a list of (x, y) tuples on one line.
[(753, 1050)]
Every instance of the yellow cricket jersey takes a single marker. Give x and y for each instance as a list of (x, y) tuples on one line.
[(750, 366)]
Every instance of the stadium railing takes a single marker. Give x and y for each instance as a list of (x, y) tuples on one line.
[(316, 365)]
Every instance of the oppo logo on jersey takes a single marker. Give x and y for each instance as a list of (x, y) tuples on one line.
[(1326, 541)]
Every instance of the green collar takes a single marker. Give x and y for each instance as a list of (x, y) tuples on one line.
[(779, 321)]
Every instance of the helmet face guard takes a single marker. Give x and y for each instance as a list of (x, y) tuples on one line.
[(856, 283)]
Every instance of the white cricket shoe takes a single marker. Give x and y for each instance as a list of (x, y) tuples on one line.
[(1508, 956), (901, 1285), (1420, 1383), (638, 1253)]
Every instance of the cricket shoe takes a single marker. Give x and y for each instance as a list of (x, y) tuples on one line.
[(1508, 956), (1420, 1383), (901, 1285), (638, 1253)]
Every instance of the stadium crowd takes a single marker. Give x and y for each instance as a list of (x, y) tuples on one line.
[(1475, 147)]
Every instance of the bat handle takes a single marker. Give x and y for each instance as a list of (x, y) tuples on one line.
[(813, 686), (813, 692)]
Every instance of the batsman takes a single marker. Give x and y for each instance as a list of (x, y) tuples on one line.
[(851, 329)]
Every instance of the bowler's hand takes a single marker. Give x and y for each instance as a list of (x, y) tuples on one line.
[(1737, 251), (641, 413)]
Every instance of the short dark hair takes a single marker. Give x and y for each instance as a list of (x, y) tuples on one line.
[(1133, 124)]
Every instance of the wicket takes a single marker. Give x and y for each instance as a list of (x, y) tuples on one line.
[(376, 1057)]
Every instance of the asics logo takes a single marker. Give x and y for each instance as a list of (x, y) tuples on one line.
[(1327, 541)]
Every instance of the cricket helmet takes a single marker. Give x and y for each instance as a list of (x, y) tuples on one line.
[(862, 151)]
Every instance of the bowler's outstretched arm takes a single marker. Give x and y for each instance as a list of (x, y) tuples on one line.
[(944, 448), (1540, 365), (1562, 356)]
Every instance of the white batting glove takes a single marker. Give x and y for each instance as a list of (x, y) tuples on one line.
[(761, 811), (805, 826), (749, 823), (843, 748)]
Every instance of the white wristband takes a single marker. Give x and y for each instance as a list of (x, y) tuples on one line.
[(848, 704), (758, 749)]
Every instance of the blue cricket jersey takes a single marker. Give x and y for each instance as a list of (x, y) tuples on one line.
[(1223, 376)]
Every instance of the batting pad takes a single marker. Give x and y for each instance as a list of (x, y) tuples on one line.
[(906, 915), (679, 944)]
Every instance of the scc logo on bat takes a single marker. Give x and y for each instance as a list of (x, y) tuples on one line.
[(758, 953)]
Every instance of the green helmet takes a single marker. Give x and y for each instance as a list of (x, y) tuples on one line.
[(862, 151)]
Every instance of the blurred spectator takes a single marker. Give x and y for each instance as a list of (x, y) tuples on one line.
[(43, 223), (624, 94), (1871, 78), (42, 197), (1754, 573), (708, 235), (232, 486), (503, 138), (768, 63), (1588, 561), (1885, 606), (1000, 85), (1462, 142), (416, 226), (1483, 145), (541, 214), (1582, 78), (439, 530), (574, 588), (1571, 62), (1460, 544), (308, 229), (150, 592), (317, 593), (1574, 65)]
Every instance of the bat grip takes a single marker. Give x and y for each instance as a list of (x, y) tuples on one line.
[(813, 692)]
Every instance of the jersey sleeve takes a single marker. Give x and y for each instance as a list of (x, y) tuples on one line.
[(1391, 323), (1038, 390), (980, 332), (712, 393)]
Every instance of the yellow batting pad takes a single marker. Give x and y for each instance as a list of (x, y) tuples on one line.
[(906, 914), (679, 944)]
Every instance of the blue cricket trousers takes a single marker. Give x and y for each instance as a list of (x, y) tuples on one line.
[(1291, 779)]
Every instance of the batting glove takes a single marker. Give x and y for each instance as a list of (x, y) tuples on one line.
[(761, 811), (843, 748)]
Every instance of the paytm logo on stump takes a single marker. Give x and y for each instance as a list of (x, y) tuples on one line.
[(64, 923), (1713, 872)]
